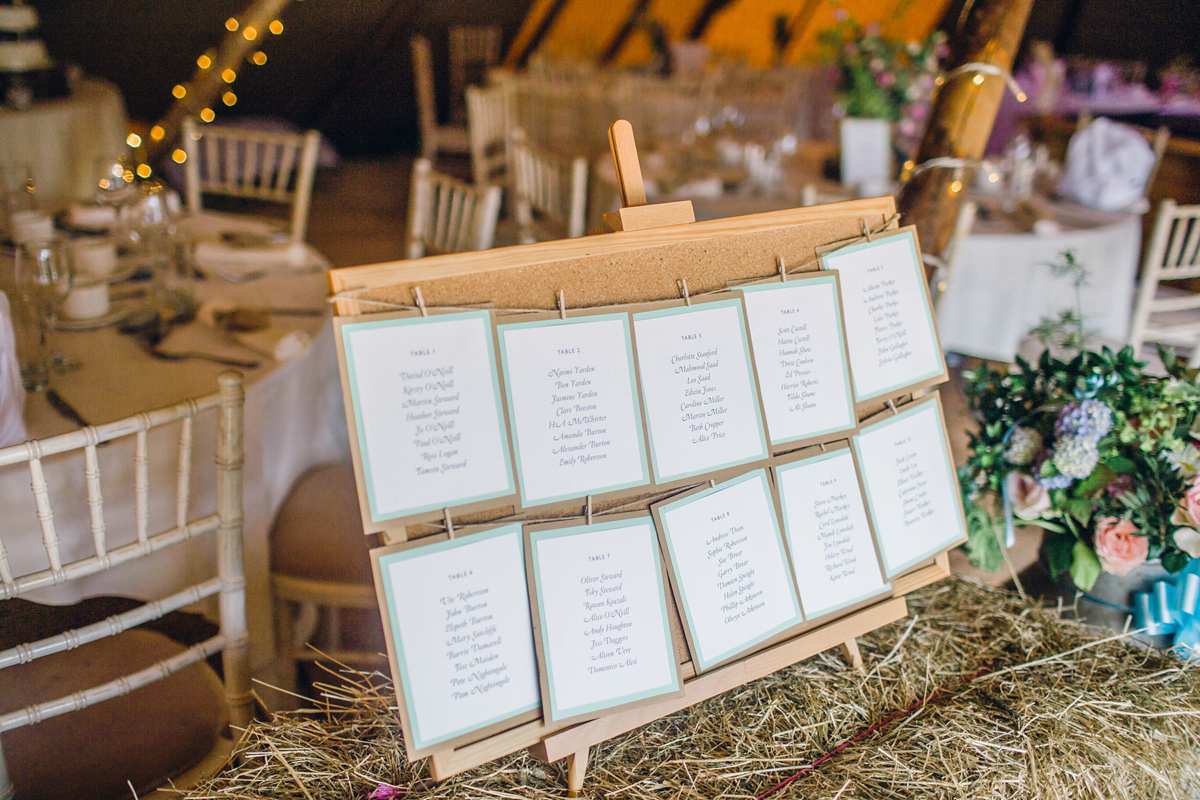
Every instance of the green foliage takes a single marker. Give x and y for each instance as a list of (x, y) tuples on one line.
[(1041, 420)]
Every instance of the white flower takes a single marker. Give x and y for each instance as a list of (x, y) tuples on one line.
[(1188, 540), (1186, 461), (1029, 500)]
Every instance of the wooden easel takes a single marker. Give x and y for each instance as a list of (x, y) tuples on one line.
[(525, 272)]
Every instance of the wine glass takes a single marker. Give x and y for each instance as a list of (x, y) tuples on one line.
[(16, 191), (43, 279)]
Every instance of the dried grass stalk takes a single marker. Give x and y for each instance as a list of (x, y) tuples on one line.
[(1064, 714)]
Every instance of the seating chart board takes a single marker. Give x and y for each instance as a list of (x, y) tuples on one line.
[(721, 274)]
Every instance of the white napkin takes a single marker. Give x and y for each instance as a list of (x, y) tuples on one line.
[(223, 257), (92, 217), (274, 341), (12, 393), (1107, 166)]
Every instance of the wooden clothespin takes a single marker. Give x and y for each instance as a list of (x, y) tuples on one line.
[(420, 301), (782, 269), (866, 229), (449, 522), (892, 405), (587, 510), (683, 291), (562, 305)]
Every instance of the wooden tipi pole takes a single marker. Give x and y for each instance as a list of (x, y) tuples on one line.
[(209, 80), (961, 120)]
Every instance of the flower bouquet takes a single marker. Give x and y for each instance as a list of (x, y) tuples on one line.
[(880, 77), (1091, 448)]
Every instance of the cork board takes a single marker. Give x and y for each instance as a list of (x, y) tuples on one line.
[(613, 268)]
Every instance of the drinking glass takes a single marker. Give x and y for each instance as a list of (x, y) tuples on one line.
[(42, 280)]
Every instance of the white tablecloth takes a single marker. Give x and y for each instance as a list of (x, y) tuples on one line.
[(61, 139), (1002, 286), (293, 420)]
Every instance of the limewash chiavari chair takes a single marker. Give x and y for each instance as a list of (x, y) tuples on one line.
[(474, 51), (553, 188), (1170, 314), (97, 709), (490, 115), (446, 215), (435, 138), (272, 167)]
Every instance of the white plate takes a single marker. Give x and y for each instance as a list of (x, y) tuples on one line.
[(117, 311)]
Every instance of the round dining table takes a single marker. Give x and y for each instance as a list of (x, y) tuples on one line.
[(1002, 286), (293, 420), (61, 139)]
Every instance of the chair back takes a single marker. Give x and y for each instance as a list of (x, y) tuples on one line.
[(1173, 253), (446, 215), (549, 186), (226, 586), (422, 55), (489, 116), (474, 50), (275, 167)]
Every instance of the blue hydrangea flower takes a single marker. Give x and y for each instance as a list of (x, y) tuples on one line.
[(1085, 419), (1075, 456), (1054, 481), (1023, 445)]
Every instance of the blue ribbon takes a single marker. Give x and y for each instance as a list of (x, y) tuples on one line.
[(1173, 608)]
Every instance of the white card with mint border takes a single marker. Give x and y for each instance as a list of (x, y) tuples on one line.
[(910, 483), (573, 406), (603, 634), (890, 332), (460, 634), (426, 414), (729, 568), (800, 355), (827, 531), (698, 388)]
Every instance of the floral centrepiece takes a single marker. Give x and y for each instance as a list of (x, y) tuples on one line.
[(1092, 449), (880, 77)]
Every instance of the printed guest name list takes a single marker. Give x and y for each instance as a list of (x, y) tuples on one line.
[(701, 402), (728, 560), (602, 603), (825, 522), (889, 325), (464, 635), (796, 331), (573, 407), (426, 400)]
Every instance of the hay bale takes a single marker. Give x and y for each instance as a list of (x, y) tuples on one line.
[(1062, 713)]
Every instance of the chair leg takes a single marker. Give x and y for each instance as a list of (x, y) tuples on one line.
[(285, 651)]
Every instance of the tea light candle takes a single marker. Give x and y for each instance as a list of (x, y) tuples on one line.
[(94, 257), (87, 302), (29, 227)]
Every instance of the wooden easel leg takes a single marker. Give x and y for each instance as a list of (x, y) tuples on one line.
[(576, 770), (852, 655)]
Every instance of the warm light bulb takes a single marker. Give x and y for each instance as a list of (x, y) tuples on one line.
[(157, 133), (133, 140), (259, 57), (144, 171), (180, 91), (204, 62), (207, 115), (276, 27), (127, 176), (956, 187), (977, 80), (229, 76), (179, 156), (231, 24), (994, 177), (229, 98), (250, 33)]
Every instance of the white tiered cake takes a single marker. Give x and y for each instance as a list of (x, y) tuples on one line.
[(27, 72)]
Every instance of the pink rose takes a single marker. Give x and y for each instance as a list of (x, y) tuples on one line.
[(1029, 499), (1118, 545), (1191, 502), (887, 79)]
